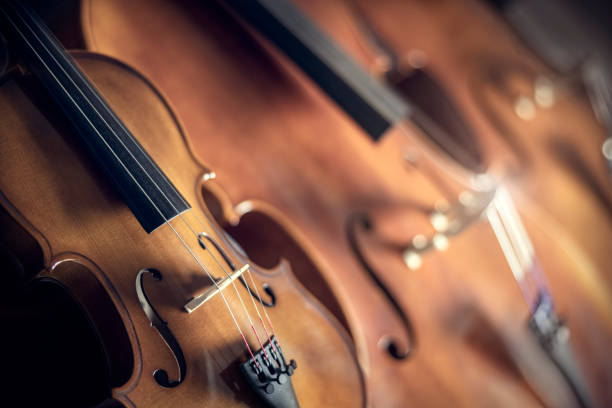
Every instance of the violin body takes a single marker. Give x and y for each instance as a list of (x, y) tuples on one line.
[(529, 127), (555, 172), (286, 156), (425, 287), (94, 245)]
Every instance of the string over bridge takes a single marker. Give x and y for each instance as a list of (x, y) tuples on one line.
[(208, 294)]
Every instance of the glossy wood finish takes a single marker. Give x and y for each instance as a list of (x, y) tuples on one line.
[(550, 158), (62, 200), (553, 153), (281, 148)]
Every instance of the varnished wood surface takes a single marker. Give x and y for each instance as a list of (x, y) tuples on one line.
[(280, 147), (55, 193), (554, 158), (552, 162)]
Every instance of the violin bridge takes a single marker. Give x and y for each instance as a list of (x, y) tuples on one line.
[(208, 294)]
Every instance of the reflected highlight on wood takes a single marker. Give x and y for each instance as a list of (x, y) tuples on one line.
[(282, 149), (53, 190)]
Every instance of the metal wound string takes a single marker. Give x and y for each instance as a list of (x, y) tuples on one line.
[(509, 209), (248, 272), (516, 246), (501, 213), (233, 283), (255, 288), (166, 221), (96, 95)]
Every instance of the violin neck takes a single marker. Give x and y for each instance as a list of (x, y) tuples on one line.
[(374, 106), (144, 187)]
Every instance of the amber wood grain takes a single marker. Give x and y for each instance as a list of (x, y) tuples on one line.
[(554, 157), (281, 148), (551, 159), (50, 186)]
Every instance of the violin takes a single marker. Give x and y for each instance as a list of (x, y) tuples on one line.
[(504, 111), (430, 334), (96, 170), (450, 139)]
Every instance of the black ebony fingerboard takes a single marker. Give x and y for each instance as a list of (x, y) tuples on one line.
[(370, 103), (144, 187)]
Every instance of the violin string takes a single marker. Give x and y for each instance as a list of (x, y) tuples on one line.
[(259, 315), (221, 265), (248, 272), (255, 288), (508, 250), (233, 283), (526, 252), (510, 209), (166, 221), (509, 240), (505, 207), (220, 293), (260, 299), (505, 243), (501, 218), (513, 238), (508, 228), (147, 157), (265, 313)]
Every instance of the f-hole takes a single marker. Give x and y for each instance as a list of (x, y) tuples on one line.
[(362, 221), (267, 250), (161, 376)]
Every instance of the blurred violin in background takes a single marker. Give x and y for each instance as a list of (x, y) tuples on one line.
[(411, 44), (499, 107), (272, 17)]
